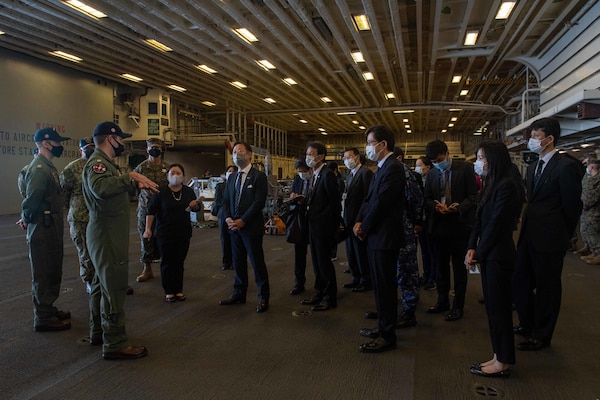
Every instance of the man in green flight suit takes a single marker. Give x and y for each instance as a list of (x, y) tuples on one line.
[(106, 192), (42, 217)]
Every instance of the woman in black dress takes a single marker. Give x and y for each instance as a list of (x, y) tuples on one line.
[(492, 249), (171, 207)]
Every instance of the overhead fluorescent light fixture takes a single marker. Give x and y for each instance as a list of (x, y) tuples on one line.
[(451, 125), (66, 56), (289, 81), (325, 99), (586, 145), (362, 127), (357, 56), (347, 113), (157, 45), (576, 150), (454, 119), (177, 88), (477, 133), (303, 121), (206, 68), (2, 33), (444, 130), (84, 9), (464, 92), (269, 100), (368, 76), (403, 111), (321, 129), (404, 120), (131, 77), (238, 84), (390, 96), (323, 133), (454, 109), (208, 103), (361, 22), (407, 126), (505, 9), (408, 131), (355, 122), (245, 34), (265, 64), (456, 78), (471, 38)]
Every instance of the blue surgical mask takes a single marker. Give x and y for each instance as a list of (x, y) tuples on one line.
[(442, 165), (478, 167)]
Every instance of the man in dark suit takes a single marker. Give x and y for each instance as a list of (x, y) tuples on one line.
[(378, 223), (243, 201), (323, 209), (298, 195), (554, 206), (450, 204), (357, 187)]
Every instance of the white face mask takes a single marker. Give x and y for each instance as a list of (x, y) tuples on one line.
[(419, 170), (310, 161), (175, 180), (350, 163), (239, 159), (535, 145), (371, 153), (305, 175), (227, 175), (478, 167)]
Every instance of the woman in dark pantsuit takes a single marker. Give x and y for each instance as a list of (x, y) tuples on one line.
[(491, 247)]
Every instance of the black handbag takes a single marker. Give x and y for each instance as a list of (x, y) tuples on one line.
[(295, 227)]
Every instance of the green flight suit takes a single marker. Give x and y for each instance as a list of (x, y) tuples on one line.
[(42, 211), (106, 192)]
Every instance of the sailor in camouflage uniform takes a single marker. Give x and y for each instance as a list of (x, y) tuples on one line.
[(43, 218), (106, 191), (154, 168), (590, 216)]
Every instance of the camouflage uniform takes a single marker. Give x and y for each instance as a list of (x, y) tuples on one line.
[(158, 174), (590, 216), (78, 216), (407, 266), (42, 211)]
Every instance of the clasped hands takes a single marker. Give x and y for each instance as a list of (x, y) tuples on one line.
[(235, 224), (442, 208)]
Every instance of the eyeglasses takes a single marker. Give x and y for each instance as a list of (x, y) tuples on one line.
[(372, 142)]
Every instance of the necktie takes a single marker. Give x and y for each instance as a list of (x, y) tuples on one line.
[(445, 185), (238, 192), (305, 188), (538, 173), (349, 180)]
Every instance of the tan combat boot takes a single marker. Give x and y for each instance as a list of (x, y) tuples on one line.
[(146, 273)]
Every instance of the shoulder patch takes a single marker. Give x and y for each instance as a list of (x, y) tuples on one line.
[(99, 168)]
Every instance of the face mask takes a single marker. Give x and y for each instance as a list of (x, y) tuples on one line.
[(88, 152), (57, 151), (239, 159), (371, 153), (227, 175), (305, 175), (119, 149), (478, 167), (441, 166), (535, 145), (350, 164), (154, 152), (587, 171), (310, 161), (175, 180), (419, 170)]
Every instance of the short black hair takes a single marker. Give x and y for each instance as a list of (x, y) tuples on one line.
[(300, 163), (381, 133), (435, 148), (353, 149), (245, 144), (321, 149), (425, 160), (178, 166), (235, 168), (398, 152), (550, 127)]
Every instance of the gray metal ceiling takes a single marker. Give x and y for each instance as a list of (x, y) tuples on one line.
[(413, 49)]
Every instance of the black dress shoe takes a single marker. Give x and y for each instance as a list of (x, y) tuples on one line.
[(370, 333), (377, 346), (455, 314), (53, 326), (438, 308), (312, 302), (406, 320), (129, 290), (347, 271), (351, 285), (262, 306), (95, 341), (324, 306), (62, 315), (371, 315), (128, 353), (532, 345), (361, 288), (226, 266), (297, 290), (232, 300), (519, 330), (476, 370)]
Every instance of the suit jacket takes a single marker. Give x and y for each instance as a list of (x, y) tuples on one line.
[(492, 235), (252, 201), (463, 190), (356, 194), (554, 207), (383, 208), (324, 207)]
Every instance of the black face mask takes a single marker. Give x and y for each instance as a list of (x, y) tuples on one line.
[(57, 151), (119, 149), (155, 152), (88, 152)]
